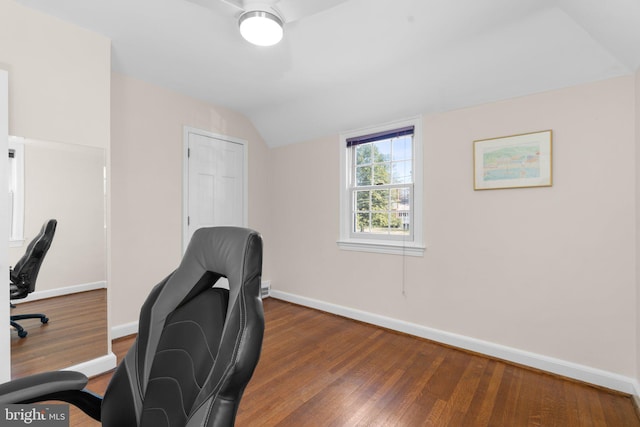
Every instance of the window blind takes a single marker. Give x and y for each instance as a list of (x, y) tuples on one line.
[(379, 136)]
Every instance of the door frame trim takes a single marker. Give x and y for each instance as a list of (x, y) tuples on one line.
[(187, 130)]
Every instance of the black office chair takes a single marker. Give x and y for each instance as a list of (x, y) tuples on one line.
[(196, 350), (24, 274)]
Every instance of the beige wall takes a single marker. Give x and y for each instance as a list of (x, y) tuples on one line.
[(146, 153), (58, 77), (547, 270)]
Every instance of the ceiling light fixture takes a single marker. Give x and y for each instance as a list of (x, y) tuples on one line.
[(261, 28)]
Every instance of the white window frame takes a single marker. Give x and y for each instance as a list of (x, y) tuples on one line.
[(378, 243), (16, 204)]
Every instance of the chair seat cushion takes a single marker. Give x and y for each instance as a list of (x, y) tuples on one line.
[(186, 353), (17, 293)]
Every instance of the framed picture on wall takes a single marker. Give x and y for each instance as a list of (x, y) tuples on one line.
[(515, 161)]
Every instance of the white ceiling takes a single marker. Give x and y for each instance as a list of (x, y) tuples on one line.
[(363, 62)]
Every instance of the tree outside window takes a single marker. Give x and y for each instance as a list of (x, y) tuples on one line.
[(382, 175)]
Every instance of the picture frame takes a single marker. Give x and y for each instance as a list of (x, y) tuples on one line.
[(515, 161)]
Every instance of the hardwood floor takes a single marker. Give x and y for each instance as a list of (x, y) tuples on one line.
[(76, 332), (318, 369)]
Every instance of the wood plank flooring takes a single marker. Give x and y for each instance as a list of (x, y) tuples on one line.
[(76, 332), (317, 370)]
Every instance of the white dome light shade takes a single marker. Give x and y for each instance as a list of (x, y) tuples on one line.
[(261, 28)]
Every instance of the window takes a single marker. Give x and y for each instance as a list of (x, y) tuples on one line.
[(381, 189), (16, 191)]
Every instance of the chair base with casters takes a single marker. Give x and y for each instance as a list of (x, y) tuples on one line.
[(15, 317), (21, 332)]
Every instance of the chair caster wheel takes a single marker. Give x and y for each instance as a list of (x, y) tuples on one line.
[(22, 334), (45, 320)]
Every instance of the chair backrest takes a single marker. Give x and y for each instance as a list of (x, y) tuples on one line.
[(197, 345), (25, 272)]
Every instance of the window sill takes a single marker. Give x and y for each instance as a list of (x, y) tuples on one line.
[(381, 247)]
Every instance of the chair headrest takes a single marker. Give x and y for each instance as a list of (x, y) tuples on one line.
[(232, 252), (38, 247)]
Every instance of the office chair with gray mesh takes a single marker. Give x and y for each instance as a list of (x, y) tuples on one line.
[(24, 274), (196, 350)]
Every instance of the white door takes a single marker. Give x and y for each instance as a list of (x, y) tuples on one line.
[(215, 190)]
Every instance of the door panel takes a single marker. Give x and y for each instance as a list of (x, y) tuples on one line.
[(215, 188)]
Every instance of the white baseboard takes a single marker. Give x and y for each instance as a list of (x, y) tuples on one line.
[(95, 367), (120, 331), (549, 364), (636, 395), (50, 293)]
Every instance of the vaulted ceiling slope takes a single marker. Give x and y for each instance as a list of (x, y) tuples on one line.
[(363, 62)]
